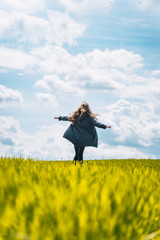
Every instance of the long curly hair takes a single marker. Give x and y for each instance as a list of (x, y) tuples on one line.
[(79, 113)]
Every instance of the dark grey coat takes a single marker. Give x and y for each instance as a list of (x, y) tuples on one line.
[(83, 133)]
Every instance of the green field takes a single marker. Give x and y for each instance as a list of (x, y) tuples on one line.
[(103, 199)]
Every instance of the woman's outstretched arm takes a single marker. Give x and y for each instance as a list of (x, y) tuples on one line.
[(65, 118), (97, 124)]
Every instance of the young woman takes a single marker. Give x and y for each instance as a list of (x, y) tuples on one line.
[(82, 131)]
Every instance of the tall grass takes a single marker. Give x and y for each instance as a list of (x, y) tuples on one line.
[(110, 200)]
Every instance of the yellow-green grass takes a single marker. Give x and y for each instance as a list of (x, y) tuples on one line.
[(103, 199)]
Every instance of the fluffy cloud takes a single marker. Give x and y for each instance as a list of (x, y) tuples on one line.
[(105, 151), (57, 59), (86, 6), (147, 88), (28, 6), (119, 72), (147, 4), (63, 29), (9, 96), (101, 70), (134, 123), (47, 98), (58, 28), (9, 130), (47, 143), (16, 59), (22, 27), (54, 83), (156, 73), (121, 59)]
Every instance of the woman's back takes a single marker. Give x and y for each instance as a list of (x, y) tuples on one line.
[(82, 131)]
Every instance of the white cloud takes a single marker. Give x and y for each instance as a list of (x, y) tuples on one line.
[(22, 27), (3, 70), (28, 6), (147, 4), (58, 28), (47, 98), (106, 151), (59, 60), (55, 84), (149, 88), (87, 6), (8, 96), (156, 72), (16, 59), (134, 123), (121, 59), (117, 71), (104, 70), (9, 130), (47, 143), (63, 29), (56, 60), (9, 125)]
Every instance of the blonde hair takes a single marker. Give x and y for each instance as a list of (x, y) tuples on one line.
[(79, 113)]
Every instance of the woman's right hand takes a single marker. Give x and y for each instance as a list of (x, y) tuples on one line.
[(56, 117), (108, 126)]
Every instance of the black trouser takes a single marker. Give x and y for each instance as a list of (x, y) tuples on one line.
[(78, 153)]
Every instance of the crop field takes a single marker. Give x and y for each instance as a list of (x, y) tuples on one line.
[(99, 200)]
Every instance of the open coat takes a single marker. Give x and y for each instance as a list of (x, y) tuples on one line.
[(83, 133)]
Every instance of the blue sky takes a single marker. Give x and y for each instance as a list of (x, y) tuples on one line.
[(56, 54)]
